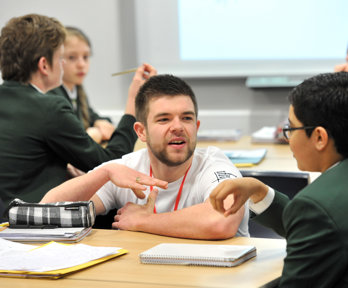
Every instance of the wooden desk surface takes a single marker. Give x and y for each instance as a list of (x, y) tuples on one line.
[(276, 154), (127, 271)]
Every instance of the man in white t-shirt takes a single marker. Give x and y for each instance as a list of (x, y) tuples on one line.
[(166, 112)]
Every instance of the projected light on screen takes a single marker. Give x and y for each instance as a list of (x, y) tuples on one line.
[(267, 29), (242, 38)]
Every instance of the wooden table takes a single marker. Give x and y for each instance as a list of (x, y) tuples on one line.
[(276, 154), (127, 271)]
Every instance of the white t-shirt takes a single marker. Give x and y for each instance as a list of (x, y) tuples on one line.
[(209, 167)]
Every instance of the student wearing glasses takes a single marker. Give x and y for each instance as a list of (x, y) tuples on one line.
[(314, 222)]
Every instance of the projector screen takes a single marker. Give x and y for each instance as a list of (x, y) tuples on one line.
[(241, 38)]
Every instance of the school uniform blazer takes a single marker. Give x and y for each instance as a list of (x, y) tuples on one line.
[(93, 116), (40, 134), (315, 226)]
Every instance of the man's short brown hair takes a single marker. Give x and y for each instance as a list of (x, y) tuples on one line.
[(161, 86), (24, 40)]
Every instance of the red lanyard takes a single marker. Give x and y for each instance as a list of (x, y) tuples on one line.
[(179, 192)]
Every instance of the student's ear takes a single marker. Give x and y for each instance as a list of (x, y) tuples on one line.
[(139, 128), (198, 124), (43, 66), (320, 138)]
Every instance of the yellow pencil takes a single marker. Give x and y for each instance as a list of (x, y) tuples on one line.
[(241, 165), (4, 225), (124, 72)]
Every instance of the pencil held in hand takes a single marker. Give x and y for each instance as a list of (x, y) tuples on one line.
[(124, 72)]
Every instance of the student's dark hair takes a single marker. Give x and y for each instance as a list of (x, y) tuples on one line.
[(159, 86), (323, 101), (24, 40)]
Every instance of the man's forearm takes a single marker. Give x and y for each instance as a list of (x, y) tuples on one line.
[(81, 188), (197, 222)]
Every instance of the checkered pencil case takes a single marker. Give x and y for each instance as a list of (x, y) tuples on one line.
[(21, 214)]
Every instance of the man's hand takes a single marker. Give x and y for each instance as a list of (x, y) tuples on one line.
[(130, 216), (242, 189), (126, 177)]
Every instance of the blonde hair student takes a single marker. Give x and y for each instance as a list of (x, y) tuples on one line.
[(77, 53)]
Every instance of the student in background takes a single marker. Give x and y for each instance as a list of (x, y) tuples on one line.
[(77, 52), (166, 109), (314, 223), (40, 134), (342, 67)]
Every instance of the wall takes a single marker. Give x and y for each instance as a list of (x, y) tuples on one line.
[(228, 103), (101, 22), (224, 103)]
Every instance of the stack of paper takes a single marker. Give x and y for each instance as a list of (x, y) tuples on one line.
[(266, 134), (245, 158), (50, 260), (219, 135), (67, 235), (198, 254)]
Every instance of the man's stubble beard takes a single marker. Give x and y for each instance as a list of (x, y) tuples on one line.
[(163, 157)]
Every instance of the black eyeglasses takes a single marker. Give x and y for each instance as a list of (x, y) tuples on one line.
[(287, 130)]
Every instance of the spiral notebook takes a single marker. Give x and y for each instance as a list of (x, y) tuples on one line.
[(198, 254)]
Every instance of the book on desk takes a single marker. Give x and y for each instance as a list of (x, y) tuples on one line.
[(50, 260), (246, 158), (45, 234), (269, 134), (219, 134), (198, 254)]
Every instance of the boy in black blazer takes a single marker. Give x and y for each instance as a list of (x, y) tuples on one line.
[(40, 134), (314, 222)]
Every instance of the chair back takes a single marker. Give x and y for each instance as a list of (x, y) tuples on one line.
[(2, 210), (289, 183)]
